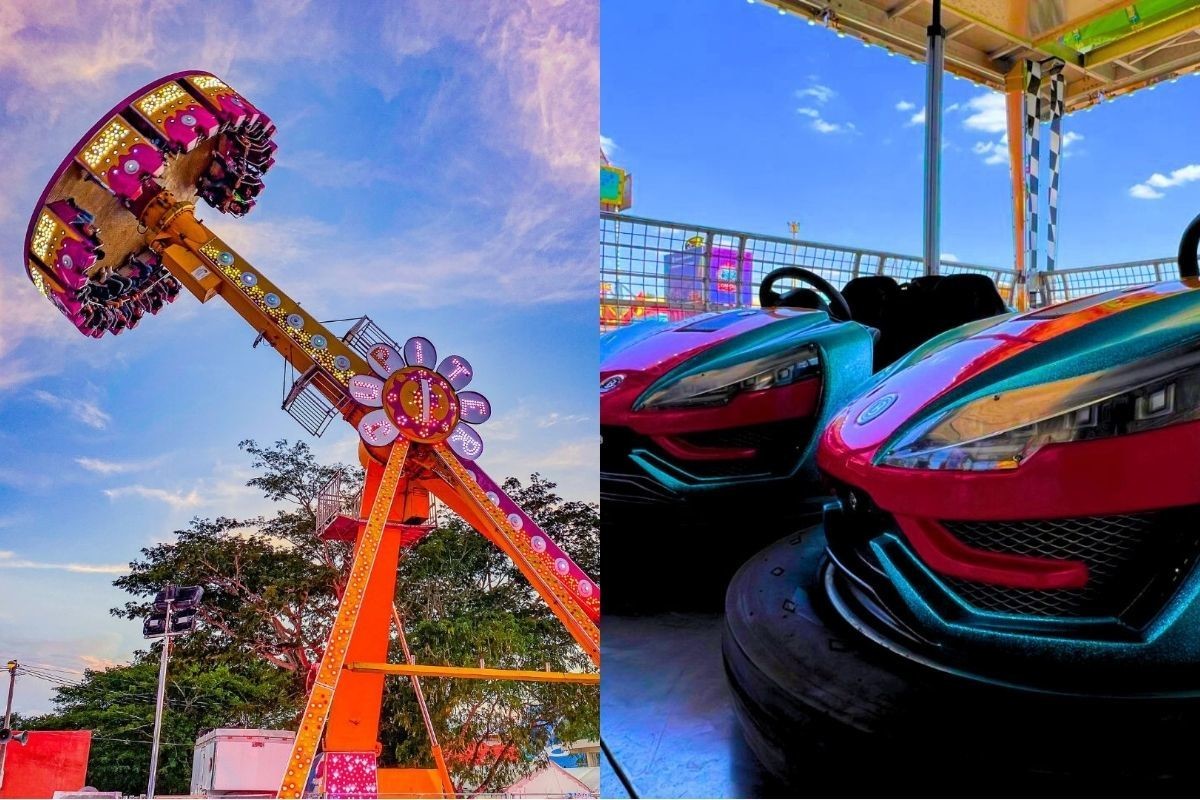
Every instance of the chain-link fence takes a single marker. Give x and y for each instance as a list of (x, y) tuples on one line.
[(652, 269)]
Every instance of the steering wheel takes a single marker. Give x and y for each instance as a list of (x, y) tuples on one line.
[(839, 309), (1188, 267)]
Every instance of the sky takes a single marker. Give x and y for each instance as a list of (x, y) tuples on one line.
[(436, 171), (731, 115)]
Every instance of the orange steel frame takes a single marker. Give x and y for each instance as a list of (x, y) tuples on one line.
[(344, 703), (1014, 109)]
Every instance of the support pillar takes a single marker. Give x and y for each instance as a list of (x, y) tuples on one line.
[(934, 72), (1014, 105)]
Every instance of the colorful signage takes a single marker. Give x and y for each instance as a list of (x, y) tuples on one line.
[(616, 188)]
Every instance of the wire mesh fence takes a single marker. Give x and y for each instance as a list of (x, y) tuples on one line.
[(1073, 283), (653, 269)]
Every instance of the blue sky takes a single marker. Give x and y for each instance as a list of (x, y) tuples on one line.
[(729, 114), (436, 171)]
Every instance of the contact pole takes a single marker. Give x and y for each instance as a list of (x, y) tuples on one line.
[(934, 67), (158, 706)]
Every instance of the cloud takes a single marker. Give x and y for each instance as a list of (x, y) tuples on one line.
[(1143, 192), (571, 455), (432, 265), (335, 171), (986, 113), (86, 411), (948, 257), (555, 418), (821, 125), (102, 467), (9, 560), (992, 152), (1151, 188), (822, 94), (27, 316), (97, 663), (917, 117), (997, 152), (1178, 177), (608, 145), (538, 63), (18, 371), (176, 500)]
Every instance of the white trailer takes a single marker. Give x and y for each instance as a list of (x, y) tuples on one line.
[(240, 762)]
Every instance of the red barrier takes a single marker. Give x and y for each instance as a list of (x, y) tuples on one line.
[(49, 761)]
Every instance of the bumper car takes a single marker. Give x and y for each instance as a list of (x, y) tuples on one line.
[(727, 405), (1006, 574)]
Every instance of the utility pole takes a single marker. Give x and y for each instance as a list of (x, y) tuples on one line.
[(11, 666)]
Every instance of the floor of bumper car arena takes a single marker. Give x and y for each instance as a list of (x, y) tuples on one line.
[(666, 714)]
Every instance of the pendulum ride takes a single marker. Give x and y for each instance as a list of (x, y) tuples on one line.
[(136, 176)]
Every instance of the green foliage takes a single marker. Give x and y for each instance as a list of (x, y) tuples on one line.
[(117, 705), (269, 601), (465, 603)]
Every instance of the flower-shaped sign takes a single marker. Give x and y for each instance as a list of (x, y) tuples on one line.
[(415, 400)]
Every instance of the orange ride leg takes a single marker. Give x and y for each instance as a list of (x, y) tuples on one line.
[(317, 710)]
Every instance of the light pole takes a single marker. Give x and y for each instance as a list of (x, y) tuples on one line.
[(174, 614)]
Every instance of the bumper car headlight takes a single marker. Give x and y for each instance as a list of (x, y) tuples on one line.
[(718, 386), (1002, 430)]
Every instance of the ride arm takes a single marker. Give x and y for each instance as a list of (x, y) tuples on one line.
[(207, 266)]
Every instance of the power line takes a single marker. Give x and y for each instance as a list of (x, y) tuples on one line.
[(51, 668), (54, 679), (139, 741)]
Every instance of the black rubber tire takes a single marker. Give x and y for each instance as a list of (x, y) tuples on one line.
[(817, 701)]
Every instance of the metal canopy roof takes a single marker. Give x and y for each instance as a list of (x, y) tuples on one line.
[(1109, 48)]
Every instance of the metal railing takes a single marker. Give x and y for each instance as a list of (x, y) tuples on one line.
[(1069, 284), (652, 268), (667, 270)]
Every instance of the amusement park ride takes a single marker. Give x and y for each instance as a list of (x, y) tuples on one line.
[(136, 176)]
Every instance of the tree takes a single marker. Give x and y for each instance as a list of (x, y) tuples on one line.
[(270, 598), (270, 584)]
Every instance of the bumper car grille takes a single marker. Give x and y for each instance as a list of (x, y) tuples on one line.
[(1131, 558)]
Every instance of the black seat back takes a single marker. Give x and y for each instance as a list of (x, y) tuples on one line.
[(959, 299), (932, 304), (869, 297), (909, 320)]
